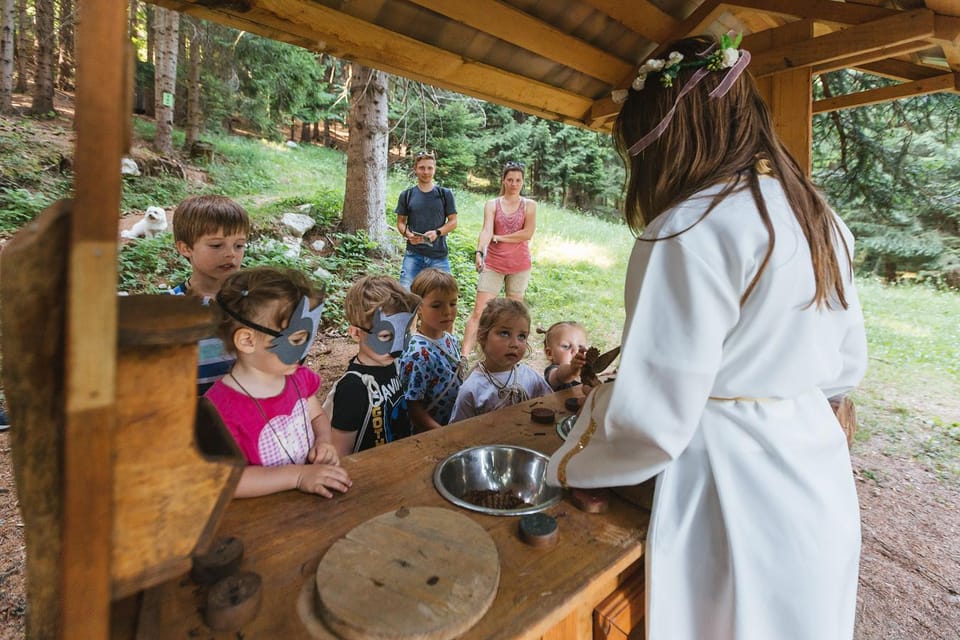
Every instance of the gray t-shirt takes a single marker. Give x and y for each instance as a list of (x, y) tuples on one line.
[(426, 212)]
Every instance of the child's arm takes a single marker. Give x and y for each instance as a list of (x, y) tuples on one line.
[(323, 450), (421, 419), (344, 441), (568, 372), (321, 479)]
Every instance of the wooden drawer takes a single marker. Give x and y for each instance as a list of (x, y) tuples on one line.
[(620, 615)]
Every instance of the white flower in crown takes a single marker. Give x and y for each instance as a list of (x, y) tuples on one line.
[(619, 96), (730, 57), (653, 64), (674, 58), (639, 81)]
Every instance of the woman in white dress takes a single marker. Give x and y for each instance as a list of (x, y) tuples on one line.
[(742, 320)]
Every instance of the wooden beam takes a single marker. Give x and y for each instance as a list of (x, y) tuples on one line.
[(870, 36), (882, 53), (91, 322), (694, 24), (641, 16), (901, 69), (937, 84), (319, 28), (504, 22), (789, 94), (841, 13)]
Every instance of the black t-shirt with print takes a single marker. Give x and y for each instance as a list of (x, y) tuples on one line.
[(371, 404)]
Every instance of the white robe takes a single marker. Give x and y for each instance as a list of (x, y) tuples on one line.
[(755, 533)]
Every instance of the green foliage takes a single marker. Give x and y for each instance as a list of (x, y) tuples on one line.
[(892, 170), (20, 206), (351, 260), (325, 207), (150, 265)]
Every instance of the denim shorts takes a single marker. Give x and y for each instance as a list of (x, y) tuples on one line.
[(414, 263)]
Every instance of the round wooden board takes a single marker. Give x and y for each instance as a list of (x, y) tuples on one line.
[(420, 573)]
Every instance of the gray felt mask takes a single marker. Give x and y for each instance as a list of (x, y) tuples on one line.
[(302, 319), (389, 335)]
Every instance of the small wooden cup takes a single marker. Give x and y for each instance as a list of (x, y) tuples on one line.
[(234, 601), (539, 530), (543, 415)]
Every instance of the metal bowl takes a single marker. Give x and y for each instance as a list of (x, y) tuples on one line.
[(481, 478)]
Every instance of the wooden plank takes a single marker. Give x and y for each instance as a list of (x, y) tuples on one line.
[(32, 280), (91, 331), (901, 69), (507, 23), (841, 13), (321, 28), (937, 84), (882, 53), (870, 36), (640, 16)]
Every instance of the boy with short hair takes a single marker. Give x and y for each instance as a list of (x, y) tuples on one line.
[(366, 406), (211, 233)]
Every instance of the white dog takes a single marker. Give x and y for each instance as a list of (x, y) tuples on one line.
[(153, 222)]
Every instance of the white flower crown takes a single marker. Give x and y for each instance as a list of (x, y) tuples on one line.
[(724, 56)]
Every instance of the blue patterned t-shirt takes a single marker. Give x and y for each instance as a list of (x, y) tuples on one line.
[(428, 369)]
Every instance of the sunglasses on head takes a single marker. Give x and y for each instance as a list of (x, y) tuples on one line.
[(424, 155), (513, 165)]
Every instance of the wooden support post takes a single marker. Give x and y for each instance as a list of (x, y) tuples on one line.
[(91, 322), (789, 93)]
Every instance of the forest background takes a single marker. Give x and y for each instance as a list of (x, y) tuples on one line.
[(235, 100), (891, 170)]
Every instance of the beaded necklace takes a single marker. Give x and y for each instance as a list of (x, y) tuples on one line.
[(266, 421)]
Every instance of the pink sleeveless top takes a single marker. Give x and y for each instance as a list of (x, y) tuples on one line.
[(508, 257)]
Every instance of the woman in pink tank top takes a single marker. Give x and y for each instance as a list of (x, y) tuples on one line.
[(503, 252)]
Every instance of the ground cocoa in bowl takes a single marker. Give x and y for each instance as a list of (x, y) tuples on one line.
[(490, 499)]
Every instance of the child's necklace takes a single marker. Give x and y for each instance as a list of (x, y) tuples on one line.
[(509, 390), (460, 366), (266, 421)]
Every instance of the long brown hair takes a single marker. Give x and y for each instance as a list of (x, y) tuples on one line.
[(728, 140)]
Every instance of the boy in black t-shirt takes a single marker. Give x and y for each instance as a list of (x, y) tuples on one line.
[(367, 406), (426, 213)]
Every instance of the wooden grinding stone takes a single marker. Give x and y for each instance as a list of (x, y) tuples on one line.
[(223, 559), (543, 415), (424, 572), (539, 530), (233, 601)]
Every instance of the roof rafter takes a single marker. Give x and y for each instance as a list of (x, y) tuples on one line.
[(937, 84), (503, 21), (900, 69), (641, 16), (875, 55), (870, 36), (842, 13), (319, 28)]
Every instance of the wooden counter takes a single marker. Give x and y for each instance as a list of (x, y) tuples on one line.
[(548, 593)]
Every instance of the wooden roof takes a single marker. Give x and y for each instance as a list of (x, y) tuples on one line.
[(560, 59)]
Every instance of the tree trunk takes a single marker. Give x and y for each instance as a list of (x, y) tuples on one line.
[(65, 49), (43, 88), (167, 31), (24, 46), (364, 198), (180, 101), (7, 19), (132, 15), (194, 115), (316, 132)]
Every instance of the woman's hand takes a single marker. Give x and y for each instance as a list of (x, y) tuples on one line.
[(478, 260), (321, 478)]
